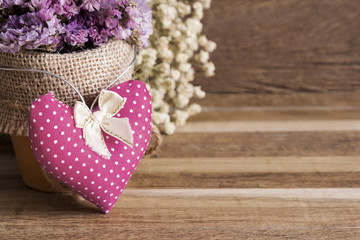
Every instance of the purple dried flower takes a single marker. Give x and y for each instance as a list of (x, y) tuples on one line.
[(76, 32), (70, 25), (91, 5), (27, 31)]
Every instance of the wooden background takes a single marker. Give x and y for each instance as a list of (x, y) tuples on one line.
[(274, 155), (284, 45)]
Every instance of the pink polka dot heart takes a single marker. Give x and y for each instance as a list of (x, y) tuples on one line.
[(62, 152)]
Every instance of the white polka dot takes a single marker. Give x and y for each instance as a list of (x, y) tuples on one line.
[(41, 143), (68, 125), (140, 136), (128, 161), (104, 166), (99, 187), (111, 171), (70, 167), (142, 107), (76, 159), (62, 161), (107, 137), (136, 123), (125, 147), (62, 148), (64, 173), (96, 161), (82, 150), (77, 172), (62, 133), (91, 169), (99, 175), (127, 90), (55, 127), (61, 119), (123, 168), (105, 179), (54, 112), (84, 164), (131, 111), (138, 86), (48, 135), (47, 120), (55, 156), (145, 98), (112, 149), (41, 128), (48, 150), (116, 142), (112, 183), (75, 144), (118, 176), (89, 156), (116, 163), (85, 177), (40, 113), (34, 120)]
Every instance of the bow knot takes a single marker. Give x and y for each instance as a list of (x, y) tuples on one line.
[(92, 123)]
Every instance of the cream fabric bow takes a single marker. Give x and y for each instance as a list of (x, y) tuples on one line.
[(92, 123)]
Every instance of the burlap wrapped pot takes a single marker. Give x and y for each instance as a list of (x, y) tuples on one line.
[(89, 71)]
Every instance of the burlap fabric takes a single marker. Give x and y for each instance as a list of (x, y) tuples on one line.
[(89, 71)]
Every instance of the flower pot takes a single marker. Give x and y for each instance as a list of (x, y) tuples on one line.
[(30, 170), (89, 71)]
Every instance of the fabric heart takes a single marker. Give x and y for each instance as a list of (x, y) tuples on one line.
[(61, 150)]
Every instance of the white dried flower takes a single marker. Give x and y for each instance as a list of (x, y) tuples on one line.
[(193, 109), (168, 64), (180, 117), (210, 46), (198, 93), (203, 41), (209, 69), (202, 57)]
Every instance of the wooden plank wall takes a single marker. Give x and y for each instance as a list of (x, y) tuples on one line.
[(284, 45)]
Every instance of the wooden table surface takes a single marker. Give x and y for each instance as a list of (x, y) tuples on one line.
[(248, 167)]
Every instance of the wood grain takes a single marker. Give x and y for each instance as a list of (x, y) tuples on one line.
[(273, 182), (284, 46), (262, 144), (187, 214)]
